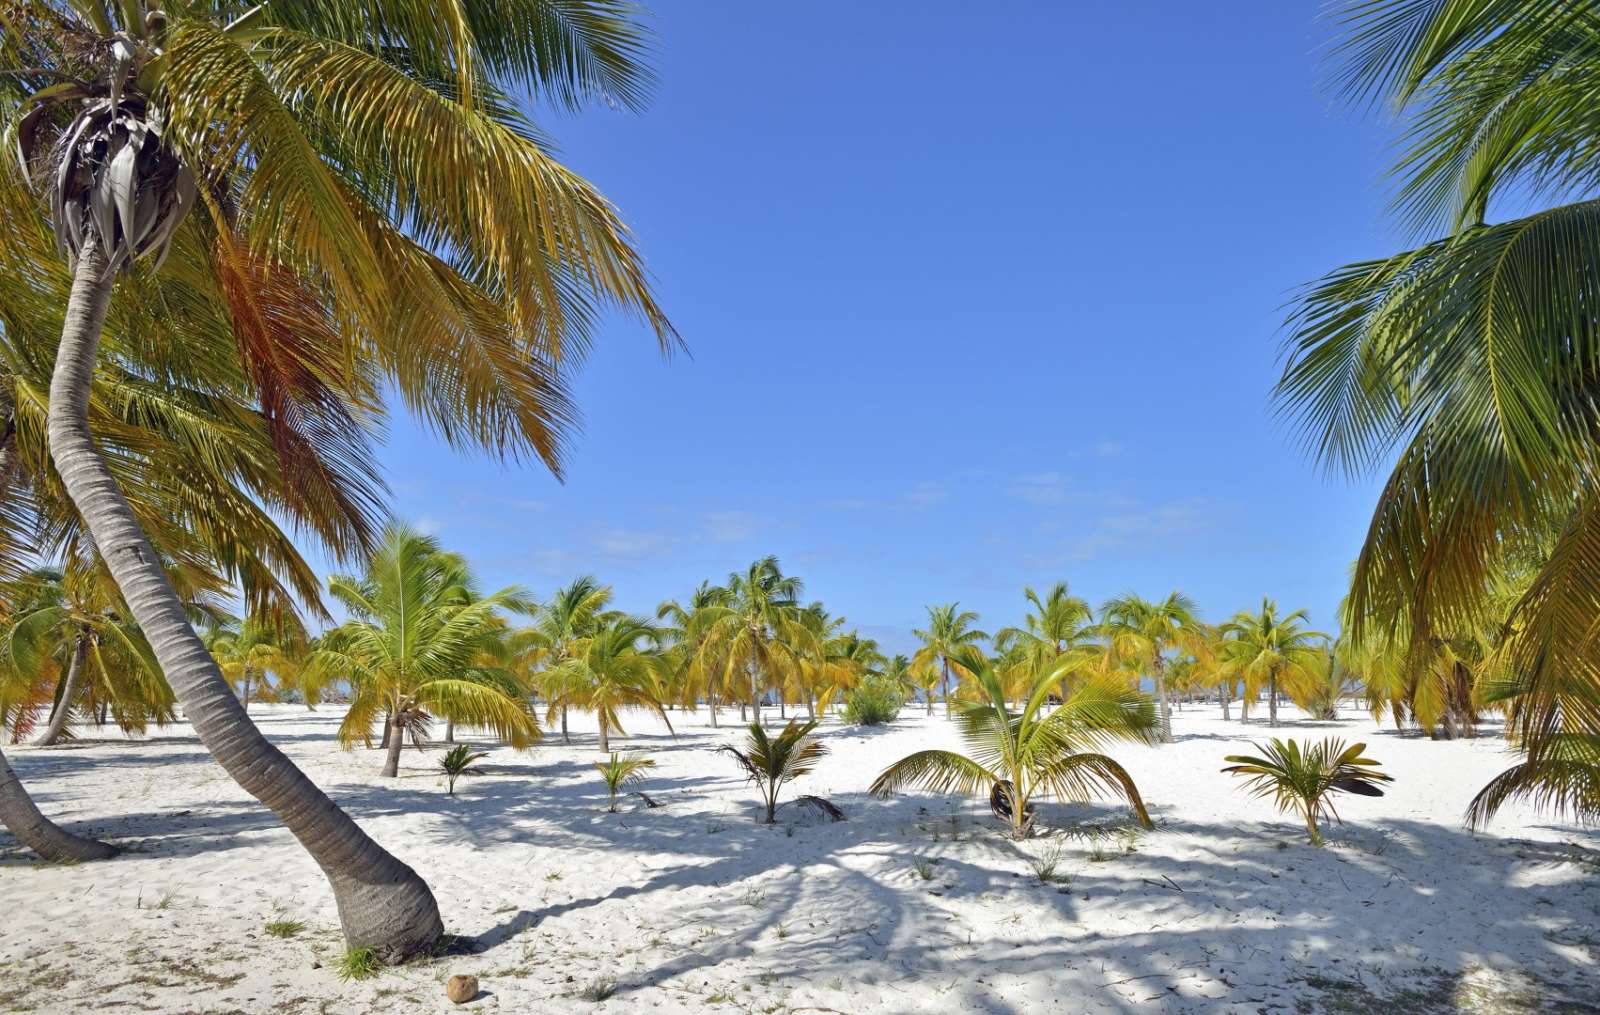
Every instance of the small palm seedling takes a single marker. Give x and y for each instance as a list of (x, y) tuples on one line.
[(1016, 756), (458, 761), (285, 928), (1303, 779), (619, 772), (772, 761)]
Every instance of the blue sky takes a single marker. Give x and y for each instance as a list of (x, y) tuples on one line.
[(973, 302)]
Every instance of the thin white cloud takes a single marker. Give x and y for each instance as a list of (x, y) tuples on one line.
[(1040, 488), (730, 526)]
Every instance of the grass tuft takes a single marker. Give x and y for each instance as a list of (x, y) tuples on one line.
[(285, 928), (599, 990), (359, 964)]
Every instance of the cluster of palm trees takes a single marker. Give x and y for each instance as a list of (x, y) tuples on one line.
[(1162, 642), (1466, 367)]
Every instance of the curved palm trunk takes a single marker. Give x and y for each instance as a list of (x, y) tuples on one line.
[(383, 904), (18, 812), (39, 833), (605, 730), (69, 693)]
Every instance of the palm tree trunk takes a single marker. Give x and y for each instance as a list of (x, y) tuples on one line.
[(245, 702), (1272, 699), (19, 813), (449, 730), (605, 739), (564, 737), (105, 707), (1223, 693), (928, 696), (711, 699), (69, 692), (388, 732), (397, 742), (1163, 710), (382, 903), (944, 686)]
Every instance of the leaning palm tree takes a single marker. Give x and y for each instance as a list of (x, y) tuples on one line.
[(1304, 779), (1016, 756), (950, 630), (76, 617), (414, 647), (1274, 651), (335, 156), (759, 637), (772, 761), (1468, 361), (1140, 632)]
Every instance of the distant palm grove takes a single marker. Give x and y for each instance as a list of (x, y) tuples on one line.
[(241, 237)]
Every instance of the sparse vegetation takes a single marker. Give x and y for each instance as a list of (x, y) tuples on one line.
[(458, 761), (359, 963), (285, 928), (619, 771), (1304, 779)]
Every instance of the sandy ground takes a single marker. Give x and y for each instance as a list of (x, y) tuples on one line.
[(913, 904)]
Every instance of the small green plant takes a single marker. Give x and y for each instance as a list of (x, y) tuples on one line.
[(876, 700), (359, 964), (285, 928), (598, 990), (772, 761), (924, 869), (1047, 866), (1303, 779), (619, 772), (458, 761)]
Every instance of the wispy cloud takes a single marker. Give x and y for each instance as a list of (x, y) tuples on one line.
[(1040, 488), (730, 526), (631, 543), (924, 495), (1144, 528)]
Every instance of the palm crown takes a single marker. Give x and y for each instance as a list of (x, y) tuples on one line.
[(1018, 755)]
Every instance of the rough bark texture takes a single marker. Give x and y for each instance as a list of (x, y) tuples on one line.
[(395, 741), (69, 693), (383, 904)]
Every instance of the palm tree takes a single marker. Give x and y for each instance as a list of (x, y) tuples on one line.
[(760, 634), (950, 630), (1140, 632), (458, 761), (685, 635), (249, 650), (415, 644), (1305, 778), (618, 772), (772, 761), (1467, 361), (1016, 756), (333, 155), (560, 627), (76, 619), (1263, 649), (612, 668)]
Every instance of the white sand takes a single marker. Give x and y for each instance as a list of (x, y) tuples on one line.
[(694, 907)]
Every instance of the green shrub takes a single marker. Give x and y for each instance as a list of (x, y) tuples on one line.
[(873, 702)]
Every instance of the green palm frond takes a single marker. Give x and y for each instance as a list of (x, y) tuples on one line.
[(1304, 779)]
